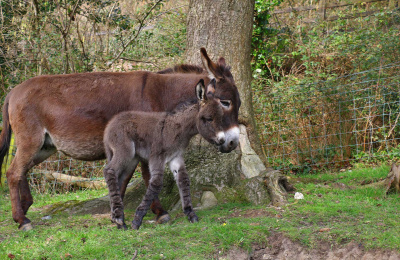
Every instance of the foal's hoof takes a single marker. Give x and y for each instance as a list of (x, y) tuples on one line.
[(163, 219), (25, 227), (193, 218), (123, 227), (118, 221), (135, 226)]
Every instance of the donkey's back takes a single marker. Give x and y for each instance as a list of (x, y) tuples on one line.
[(69, 112)]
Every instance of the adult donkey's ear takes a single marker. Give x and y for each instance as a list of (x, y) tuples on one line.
[(200, 90), (211, 87), (212, 68)]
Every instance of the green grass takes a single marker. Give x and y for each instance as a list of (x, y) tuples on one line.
[(328, 214)]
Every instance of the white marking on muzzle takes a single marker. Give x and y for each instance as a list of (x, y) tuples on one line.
[(232, 134), (231, 139), (220, 137)]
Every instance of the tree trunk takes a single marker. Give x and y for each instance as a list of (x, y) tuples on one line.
[(391, 183), (224, 28)]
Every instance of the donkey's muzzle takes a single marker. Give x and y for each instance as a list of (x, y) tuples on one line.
[(231, 140), (220, 138), (228, 146)]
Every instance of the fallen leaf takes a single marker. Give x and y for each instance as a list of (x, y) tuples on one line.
[(324, 229), (68, 255), (11, 256), (379, 205)]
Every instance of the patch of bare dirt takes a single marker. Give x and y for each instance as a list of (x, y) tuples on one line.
[(281, 248)]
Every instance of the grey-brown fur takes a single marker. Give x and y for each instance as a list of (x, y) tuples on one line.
[(158, 139)]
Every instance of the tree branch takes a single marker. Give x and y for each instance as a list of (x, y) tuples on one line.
[(141, 26)]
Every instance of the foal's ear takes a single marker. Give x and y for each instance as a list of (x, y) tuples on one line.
[(200, 90)]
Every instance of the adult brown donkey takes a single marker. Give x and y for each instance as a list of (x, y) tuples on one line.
[(69, 113)]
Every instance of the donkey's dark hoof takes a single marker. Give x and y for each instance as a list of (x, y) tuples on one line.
[(193, 218), (135, 227), (123, 227), (118, 221), (163, 219), (136, 224), (25, 227)]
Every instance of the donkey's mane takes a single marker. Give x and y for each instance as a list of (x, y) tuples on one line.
[(183, 68), (187, 69)]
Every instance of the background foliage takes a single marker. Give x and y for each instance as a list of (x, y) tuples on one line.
[(326, 91), (68, 36)]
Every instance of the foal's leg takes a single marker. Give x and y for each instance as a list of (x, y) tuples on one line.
[(112, 172), (153, 189), (177, 166), (126, 176), (162, 215), (118, 171)]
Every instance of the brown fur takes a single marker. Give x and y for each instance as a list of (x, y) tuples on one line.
[(183, 68), (69, 113)]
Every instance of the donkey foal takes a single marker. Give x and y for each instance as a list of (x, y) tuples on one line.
[(157, 139)]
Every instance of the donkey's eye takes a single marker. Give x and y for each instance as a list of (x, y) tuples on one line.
[(225, 103), (207, 119)]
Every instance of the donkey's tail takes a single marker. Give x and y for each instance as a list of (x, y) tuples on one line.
[(5, 136)]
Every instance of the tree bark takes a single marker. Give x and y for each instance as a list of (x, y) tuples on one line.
[(224, 28), (391, 183)]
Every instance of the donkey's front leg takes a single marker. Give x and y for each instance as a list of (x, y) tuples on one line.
[(154, 188), (177, 166)]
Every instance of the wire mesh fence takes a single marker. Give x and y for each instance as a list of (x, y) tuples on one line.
[(326, 124), (41, 177), (334, 123)]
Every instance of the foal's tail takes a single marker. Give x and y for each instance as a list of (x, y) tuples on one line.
[(5, 136)]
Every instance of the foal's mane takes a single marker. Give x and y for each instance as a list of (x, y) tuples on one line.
[(183, 68), (183, 105)]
